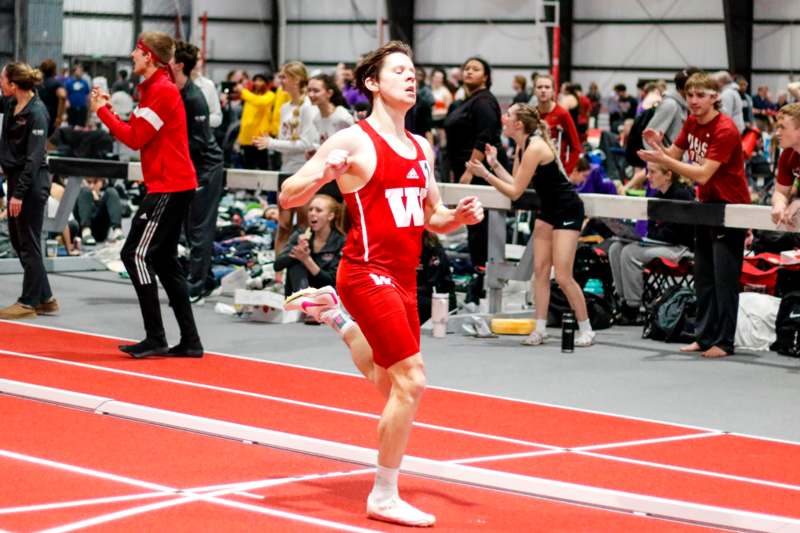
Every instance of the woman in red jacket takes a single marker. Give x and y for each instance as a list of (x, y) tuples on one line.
[(157, 127)]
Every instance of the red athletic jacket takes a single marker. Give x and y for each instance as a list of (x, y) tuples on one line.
[(157, 127)]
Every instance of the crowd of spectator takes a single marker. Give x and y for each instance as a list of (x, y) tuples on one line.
[(275, 121)]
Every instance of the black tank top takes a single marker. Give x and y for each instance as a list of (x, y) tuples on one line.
[(550, 180)]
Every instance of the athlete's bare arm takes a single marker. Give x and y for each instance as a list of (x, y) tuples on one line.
[(438, 217), (347, 156)]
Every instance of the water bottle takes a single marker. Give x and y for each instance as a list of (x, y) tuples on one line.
[(439, 312), (568, 325)]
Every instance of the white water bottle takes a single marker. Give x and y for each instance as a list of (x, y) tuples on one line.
[(439, 312)]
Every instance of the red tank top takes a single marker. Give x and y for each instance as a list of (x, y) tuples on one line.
[(387, 214)]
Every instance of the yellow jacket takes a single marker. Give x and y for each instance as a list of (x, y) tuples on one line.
[(281, 97), (256, 115)]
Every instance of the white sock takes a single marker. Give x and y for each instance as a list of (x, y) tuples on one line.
[(541, 326), (337, 319), (385, 486), (584, 326)]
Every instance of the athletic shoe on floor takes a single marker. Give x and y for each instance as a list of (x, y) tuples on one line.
[(535, 338), (50, 307), (116, 235), (87, 237), (585, 339), (312, 302), (145, 348), (186, 349), (397, 511), (17, 311)]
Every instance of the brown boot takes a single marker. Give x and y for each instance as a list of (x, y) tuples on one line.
[(50, 307), (17, 311)]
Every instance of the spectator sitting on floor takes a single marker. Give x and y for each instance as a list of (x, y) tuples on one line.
[(98, 212), (669, 240), (311, 257)]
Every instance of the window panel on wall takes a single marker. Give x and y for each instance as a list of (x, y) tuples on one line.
[(101, 37), (476, 9), (776, 9), (159, 25), (248, 42), (649, 46), (775, 46), (342, 42), (166, 7), (332, 9), (254, 11), (644, 9), (498, 43), (99, 6)]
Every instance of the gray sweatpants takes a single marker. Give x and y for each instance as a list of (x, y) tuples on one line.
[(627, 263)]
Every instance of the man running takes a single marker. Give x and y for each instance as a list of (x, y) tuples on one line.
[(386, 177)]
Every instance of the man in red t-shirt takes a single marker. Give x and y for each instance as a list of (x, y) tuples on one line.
[(784, 202), (385, 175), (562, 127), (716, 163)]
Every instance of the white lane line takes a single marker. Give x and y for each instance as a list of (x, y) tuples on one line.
[(278, 399), (691, 470), (272, 482), (181, 497), (524, 455), (254, 359), (181, 423), (83, 503), (87, 471)]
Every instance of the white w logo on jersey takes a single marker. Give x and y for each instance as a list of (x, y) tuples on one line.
[(380, 280), (410, 211)]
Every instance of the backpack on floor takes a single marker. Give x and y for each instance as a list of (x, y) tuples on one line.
[(601, 313), (671, 318), (787, 326)]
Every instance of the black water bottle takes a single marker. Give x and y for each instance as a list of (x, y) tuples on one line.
[(568, 325)]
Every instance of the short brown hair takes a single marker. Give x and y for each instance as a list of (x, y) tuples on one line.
[(371, 64), (521, 81), (701, 80), (162, 45), (48, 68), (23, 75), (792, 111)]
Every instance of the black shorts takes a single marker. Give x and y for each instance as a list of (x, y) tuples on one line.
[(567, 213)]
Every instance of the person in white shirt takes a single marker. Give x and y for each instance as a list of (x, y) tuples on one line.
[(297, 137), (333, 114), (209, 91), (331, 117)]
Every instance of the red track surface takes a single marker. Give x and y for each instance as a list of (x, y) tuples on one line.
[(298, 401)]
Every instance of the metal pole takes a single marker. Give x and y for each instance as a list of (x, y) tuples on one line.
[(203, 35)]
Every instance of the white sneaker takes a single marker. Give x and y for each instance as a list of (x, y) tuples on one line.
[(116, 235), (585, 339), (312, 302), (535, 338), (87, 237), (397, 511)]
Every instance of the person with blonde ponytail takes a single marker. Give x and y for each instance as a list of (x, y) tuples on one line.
[(558, 220), (297, 136), (22, 158)]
